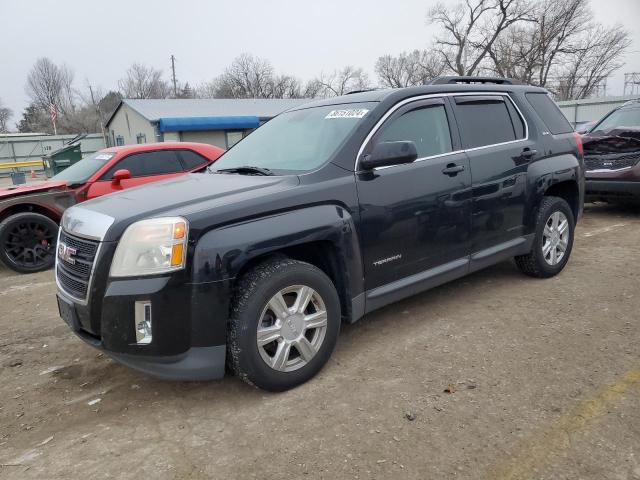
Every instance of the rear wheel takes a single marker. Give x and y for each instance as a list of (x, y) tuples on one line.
[(28, 242), (284, 324), (553, 239)]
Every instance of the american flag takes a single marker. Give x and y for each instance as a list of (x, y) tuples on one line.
[(54, 112)]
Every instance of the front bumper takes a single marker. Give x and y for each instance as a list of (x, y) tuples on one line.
[(189, 327), (612, 189)]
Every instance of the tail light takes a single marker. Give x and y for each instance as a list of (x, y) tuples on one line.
[(578, 139)]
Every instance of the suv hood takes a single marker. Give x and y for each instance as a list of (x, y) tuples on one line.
[(186, 196), (32, 188), (617, 140)]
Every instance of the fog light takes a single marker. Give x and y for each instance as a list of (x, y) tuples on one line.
[(143, 322)]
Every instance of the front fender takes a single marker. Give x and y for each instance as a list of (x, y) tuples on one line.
[(221, 253)]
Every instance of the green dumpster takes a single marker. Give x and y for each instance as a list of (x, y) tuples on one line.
[(57, 161)]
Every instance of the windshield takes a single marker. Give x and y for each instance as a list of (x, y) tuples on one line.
[(83, 170), (297, 141), (625, 117)]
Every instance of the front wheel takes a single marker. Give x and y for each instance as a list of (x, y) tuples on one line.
[(28, 242), (284, 324), (553, 240)]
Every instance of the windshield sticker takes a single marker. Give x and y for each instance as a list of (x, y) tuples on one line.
[(354, 113), (104, 156)]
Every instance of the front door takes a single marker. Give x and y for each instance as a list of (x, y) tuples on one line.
[(415, 217)]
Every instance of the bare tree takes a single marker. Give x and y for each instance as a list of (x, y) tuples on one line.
[(339, 82), (598, 57), (251, 77), (142, 81), (407, 69), (471, 28), (531, 52), (50, 84), (5, 114), (564, 50)]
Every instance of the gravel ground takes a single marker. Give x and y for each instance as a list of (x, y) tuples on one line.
[(494, 376)]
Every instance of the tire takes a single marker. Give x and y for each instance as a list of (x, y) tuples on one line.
[(264, 366), (28, 242), (537, 263)]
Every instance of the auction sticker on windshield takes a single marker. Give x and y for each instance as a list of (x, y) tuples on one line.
[(353, 113)]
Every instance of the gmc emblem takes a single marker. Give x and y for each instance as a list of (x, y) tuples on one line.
[(66, 253)]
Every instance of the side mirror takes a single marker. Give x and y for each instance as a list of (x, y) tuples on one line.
[(390, 153), (119, 175)]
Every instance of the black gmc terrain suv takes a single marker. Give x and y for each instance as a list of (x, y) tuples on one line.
[(325, 213)]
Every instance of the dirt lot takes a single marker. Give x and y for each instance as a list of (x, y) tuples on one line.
[(545, 378)]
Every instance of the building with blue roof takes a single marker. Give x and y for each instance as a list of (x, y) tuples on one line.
[(220, 122)]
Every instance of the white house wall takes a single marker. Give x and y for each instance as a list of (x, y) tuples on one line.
[(129, 124)]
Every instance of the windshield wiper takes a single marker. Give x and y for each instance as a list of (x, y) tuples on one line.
[(246, 169)]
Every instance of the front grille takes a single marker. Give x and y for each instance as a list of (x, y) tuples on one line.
[(74, 269), (612, 161)]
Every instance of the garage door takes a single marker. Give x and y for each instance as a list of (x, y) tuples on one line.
[(216, 137)]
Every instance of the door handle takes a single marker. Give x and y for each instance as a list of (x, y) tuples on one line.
[(528, 153), (452, 169)]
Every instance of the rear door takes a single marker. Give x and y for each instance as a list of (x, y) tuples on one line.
[(144, 167), (495, 137), (416, 216)]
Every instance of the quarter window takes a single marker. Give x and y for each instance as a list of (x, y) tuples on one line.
[(191, 159), (425, 126), (549, 113), (485, 121), (147, 163)]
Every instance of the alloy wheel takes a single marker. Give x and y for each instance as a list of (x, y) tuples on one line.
[(29, 243), (555, 238), (292, 328)]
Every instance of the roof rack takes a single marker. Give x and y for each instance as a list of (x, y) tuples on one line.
[(468, 79)]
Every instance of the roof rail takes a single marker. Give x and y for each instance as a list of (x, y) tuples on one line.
[(468, 79), (360, 91)]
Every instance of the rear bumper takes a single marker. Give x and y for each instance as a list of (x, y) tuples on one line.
[(612, 189)]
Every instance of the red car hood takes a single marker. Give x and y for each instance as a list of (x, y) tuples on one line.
[(32, 188)]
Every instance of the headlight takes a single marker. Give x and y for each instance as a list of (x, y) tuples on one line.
[(152, 246)]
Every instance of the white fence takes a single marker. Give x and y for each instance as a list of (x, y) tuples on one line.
[(25, 148)]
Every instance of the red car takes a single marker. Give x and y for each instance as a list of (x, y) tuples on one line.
[(29, 214)]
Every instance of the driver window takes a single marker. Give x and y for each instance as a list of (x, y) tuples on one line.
[(425, 126)]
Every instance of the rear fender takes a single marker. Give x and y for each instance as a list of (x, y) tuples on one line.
[(545, 173)]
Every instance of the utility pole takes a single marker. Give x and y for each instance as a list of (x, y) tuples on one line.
[(173, 74), (97, 107)]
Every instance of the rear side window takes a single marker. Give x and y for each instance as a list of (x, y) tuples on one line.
[(147, 163), (485, 121), (549, 113), (425, 126), (191, 159)]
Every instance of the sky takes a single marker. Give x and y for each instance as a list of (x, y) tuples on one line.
[(99, 40)]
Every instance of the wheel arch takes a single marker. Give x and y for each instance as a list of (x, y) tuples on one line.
[(322, 235), (30, 208), (569, 191)]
